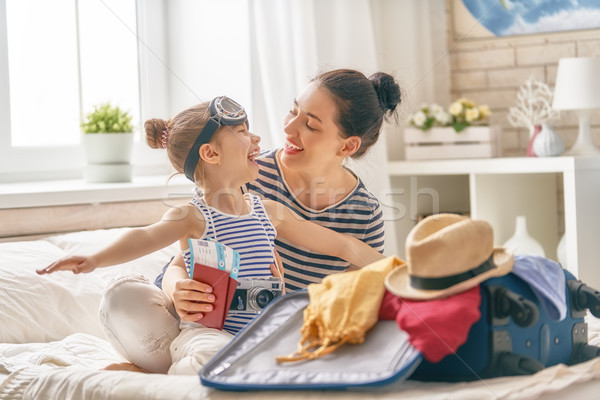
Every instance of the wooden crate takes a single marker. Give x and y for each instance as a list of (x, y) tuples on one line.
[(446, 143)]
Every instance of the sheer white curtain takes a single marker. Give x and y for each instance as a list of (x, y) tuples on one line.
[(292, 40)]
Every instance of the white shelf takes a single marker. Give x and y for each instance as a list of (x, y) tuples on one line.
[(499, 189), (516, 165)]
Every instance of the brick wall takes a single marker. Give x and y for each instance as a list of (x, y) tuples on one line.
[(491, 70)]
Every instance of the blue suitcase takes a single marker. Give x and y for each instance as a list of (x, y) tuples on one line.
[(516, 336)]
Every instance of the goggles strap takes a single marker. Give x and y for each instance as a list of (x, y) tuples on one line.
[(194, 155)]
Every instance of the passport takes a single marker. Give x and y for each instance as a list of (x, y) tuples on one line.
[(217, 265)]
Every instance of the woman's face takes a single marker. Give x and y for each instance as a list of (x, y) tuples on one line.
[(312, 136)]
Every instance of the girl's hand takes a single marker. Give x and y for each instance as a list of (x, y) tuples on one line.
[(76, 264), (192, 299)]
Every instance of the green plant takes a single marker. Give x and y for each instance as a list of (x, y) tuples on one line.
[(106, 118)]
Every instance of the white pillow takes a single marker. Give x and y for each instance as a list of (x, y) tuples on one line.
[(38, 308), (43, 308), (87, 242)]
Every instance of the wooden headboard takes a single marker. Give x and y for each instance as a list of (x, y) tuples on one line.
[(35, 222)]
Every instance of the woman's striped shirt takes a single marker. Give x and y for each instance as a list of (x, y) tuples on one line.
[(358, 214), (252, 235)]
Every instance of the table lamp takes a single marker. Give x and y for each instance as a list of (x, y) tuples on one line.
[(578, 89)]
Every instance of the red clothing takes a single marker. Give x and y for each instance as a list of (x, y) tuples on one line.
[(437, 327)]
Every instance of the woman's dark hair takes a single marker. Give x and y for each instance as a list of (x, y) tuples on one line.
[(363, 103)]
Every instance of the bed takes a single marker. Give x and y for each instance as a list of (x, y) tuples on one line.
[(52, 346)]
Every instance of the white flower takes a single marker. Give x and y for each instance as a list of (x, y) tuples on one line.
[(484, 111), (436, 108), (472, 114), (419, 118), (455, 108), (443, 118)]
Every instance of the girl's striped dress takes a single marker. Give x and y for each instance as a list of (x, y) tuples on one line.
[(252, 235)]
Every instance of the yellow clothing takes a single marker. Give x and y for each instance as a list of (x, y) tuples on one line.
[(342, 309)]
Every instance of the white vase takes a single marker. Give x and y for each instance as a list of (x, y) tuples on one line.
[(521, 242), (548, 143)]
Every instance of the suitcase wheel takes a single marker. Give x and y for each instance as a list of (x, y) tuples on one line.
[(523, 311), (583, 296), (510, 364), (584, 352)]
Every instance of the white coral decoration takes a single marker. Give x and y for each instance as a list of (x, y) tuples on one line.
[(534, 105)]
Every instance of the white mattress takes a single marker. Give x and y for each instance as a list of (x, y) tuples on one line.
[(51, 344)]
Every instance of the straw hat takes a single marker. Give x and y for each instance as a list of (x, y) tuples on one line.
[(448, 254)]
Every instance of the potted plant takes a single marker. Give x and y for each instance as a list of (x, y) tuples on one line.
[(460, 131), (108, 142)]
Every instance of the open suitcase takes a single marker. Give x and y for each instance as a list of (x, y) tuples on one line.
[(514, 336), (248, 361)]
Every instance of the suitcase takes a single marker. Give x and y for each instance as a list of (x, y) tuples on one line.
[(248, 361), (516, 336)]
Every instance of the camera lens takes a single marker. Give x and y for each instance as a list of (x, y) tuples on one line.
[(258, 298)]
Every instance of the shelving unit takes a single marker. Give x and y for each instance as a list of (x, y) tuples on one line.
[(500, 189)]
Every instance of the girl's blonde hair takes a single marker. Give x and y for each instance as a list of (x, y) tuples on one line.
[(178, 134)]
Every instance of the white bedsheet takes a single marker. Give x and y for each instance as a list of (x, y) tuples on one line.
[(52, 346)]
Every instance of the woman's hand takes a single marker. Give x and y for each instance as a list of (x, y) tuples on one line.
[(192, 299), (76, 264)]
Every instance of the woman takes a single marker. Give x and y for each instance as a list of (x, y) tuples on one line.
[(338, 115), (309, 177)]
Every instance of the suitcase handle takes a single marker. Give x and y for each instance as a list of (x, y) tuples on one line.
[(524, 312)]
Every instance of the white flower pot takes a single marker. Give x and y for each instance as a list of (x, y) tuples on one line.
[(108, 157), (104, 148), (446, 143)]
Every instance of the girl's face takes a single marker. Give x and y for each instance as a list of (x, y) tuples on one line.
[(238, 148), (312, 136)]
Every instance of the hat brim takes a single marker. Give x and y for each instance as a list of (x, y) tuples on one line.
[(398, 280)]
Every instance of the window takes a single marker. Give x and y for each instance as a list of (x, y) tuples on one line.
[(57, 59)]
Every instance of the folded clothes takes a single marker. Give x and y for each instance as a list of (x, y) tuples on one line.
[(547, 281), (438, 327), (342, 309)]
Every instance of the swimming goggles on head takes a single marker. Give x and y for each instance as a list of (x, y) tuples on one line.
[(223, 112)]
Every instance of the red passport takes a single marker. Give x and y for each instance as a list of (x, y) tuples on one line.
[(223, 288)]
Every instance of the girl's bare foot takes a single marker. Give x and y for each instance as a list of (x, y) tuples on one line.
[(124, 367)]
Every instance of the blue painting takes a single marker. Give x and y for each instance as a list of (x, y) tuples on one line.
[(518, 17)]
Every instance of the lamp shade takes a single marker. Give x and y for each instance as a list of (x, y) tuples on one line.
[(577, 84)]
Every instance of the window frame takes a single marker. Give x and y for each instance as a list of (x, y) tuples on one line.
[(38, 163)]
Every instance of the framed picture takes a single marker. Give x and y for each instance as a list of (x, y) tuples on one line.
[(474, 19)]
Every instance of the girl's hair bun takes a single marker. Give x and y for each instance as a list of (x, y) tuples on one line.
[(154, 132)]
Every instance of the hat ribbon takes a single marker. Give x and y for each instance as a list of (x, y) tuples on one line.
[(444, 282)]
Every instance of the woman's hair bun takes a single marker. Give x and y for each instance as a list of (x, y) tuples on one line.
[(387, 90), (154, 132)]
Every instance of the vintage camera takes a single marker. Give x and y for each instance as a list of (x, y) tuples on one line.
[(253, 294)]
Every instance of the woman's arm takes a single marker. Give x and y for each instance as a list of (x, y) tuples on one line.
[(291, 227), (177, 223)]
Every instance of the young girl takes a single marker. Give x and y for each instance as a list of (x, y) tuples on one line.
[(211, 145)]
